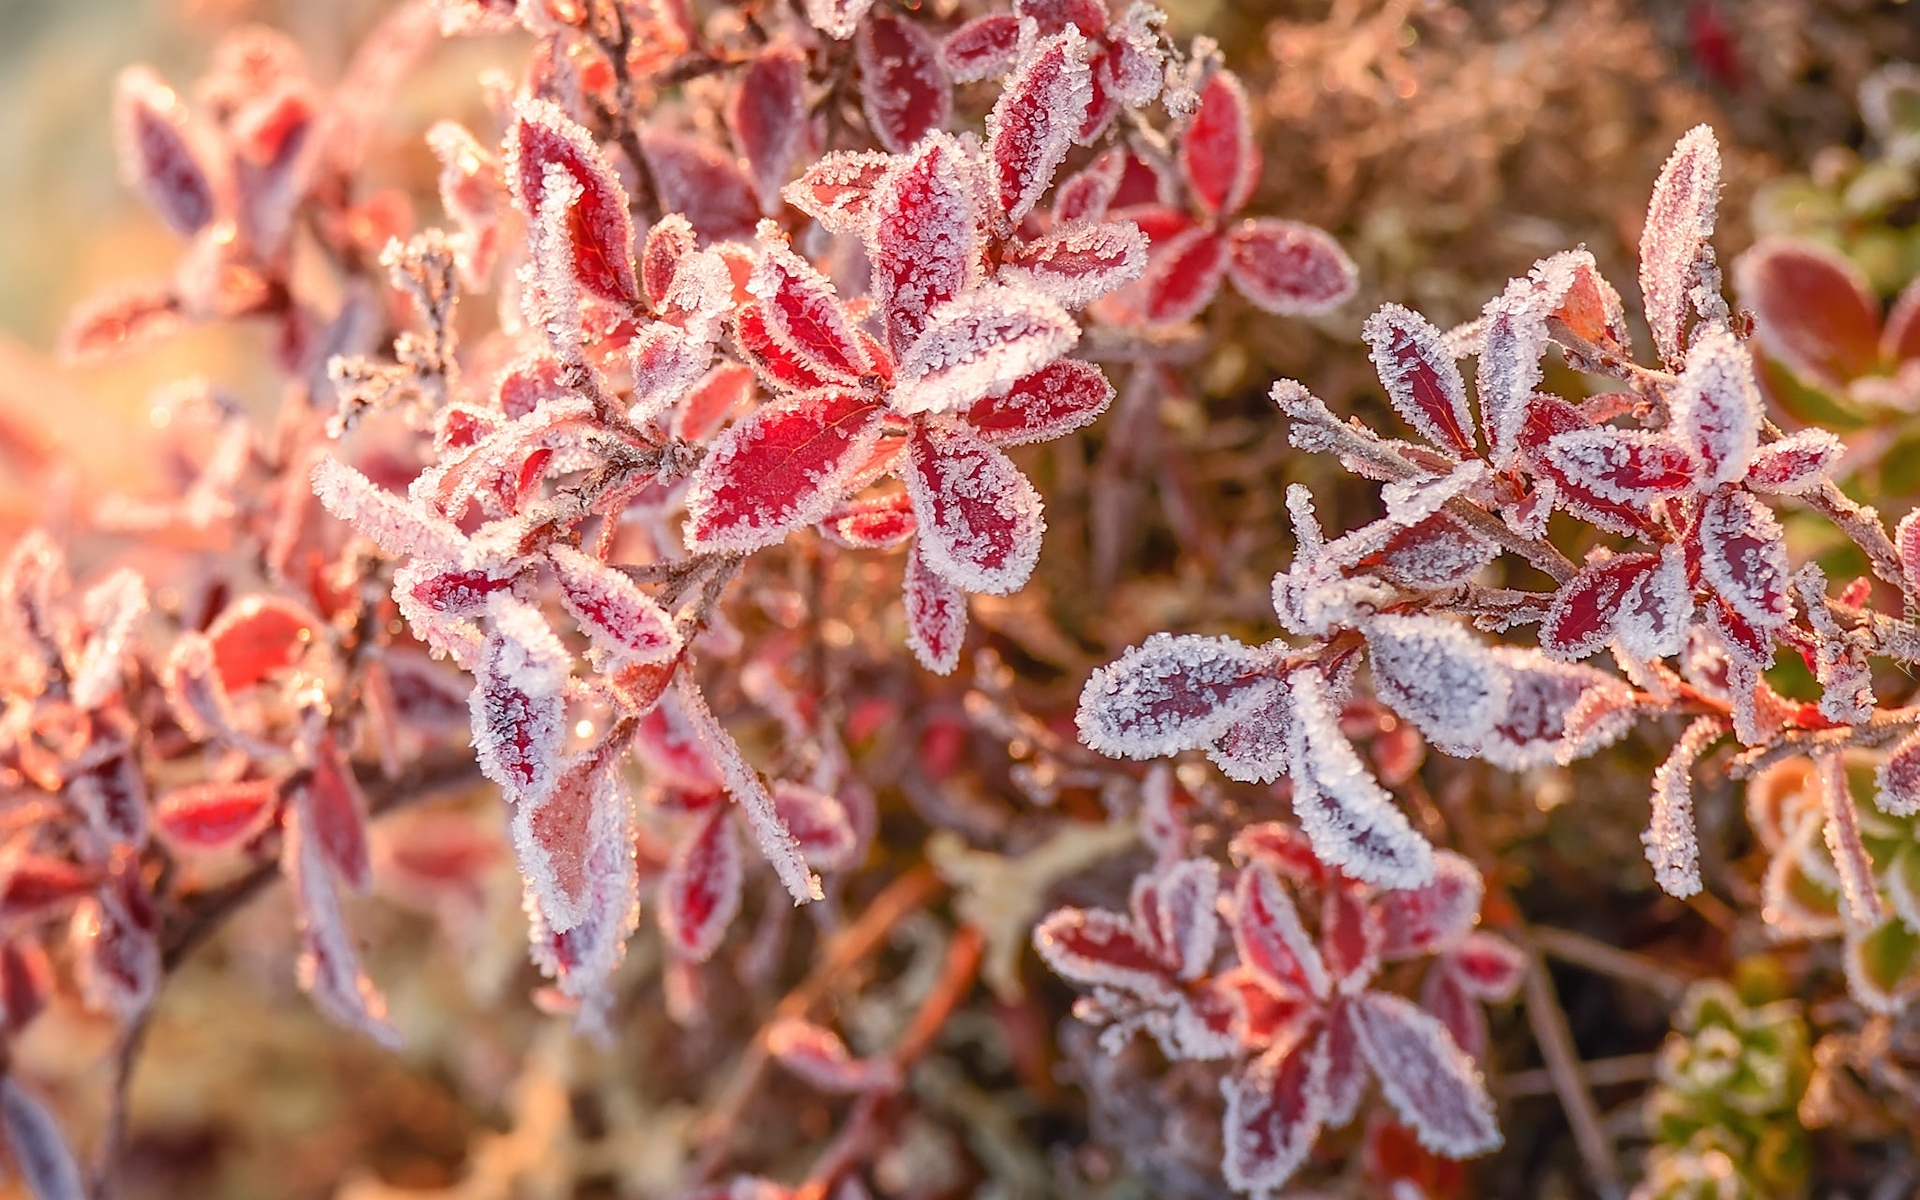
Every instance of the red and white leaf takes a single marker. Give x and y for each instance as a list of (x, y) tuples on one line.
[(518, 706), (1852, 862), (1422, 380), (818, 822), (166, 154), (817, 1055), (396, 526), (1813, 310), (562, 836), (37, 1147), (1672, 846), (936, 615), (666, 362), (1096, 948), (702, 182), (1897, 778), (983, 47), (1052, 402), (599, 228), (1545, 700), (838, 190), (926, 242), (615, 614), (1642, 598), (1489, 967), (1185, 911), (1289, 268), (872, 522), (1546, 417), (1795, 464), (329, 968), (1346, 1078), (34, 886), (1429, 1081), (1629, 466), (1350, 936), (1033, 123), (1591, 308), (1084, 196), (1182, 277), (668, 244), (1716, 407), (1513, 337), (1077, 265), (978, 344), (258, 635), (1347, 815), (1270, 939), (1673, 243), (724, 389), (1743, 558), (337, 812), (1217, 153), (903, 88), (1435, 916), (194, 692), (768, 116), (980, 519), (1172, 693), (214, 816), (1256, 746), (700, 892), (1444, 998), (1437, 675), (804, 314), (113, 799), (1440, 551), (1275, 1107), (782, 467), (111, 609), (121, 320)]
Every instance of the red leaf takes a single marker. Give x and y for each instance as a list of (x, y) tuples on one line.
[(1795, 464), (256, 636), (768, 116), (1289, 268), (1422, 380), (1350, 936), (1813, 311), (1088, 16), (903, 88), (1586, 609), (783, 466), (818, 822), (699, 180), (977, 344), (1591, 307), (1444, 998), (872, 523), (1282, 849), (1630, 466), (1547, 416), (1430, 1082), (1052, 402), (1543, 701), (1680, 219), (1715, 407), (122, 320), (838, 190), (163, 153), (1033, 123), (519, 702), (979, 517), (1183, 276), (216, 815), (338, 813), (1096, 948), (982, 47), (1489, 967), (700, 892), (723, 389), (1900, 340), (668, 243), (1743, 558), (329, 968), (1435, 916), (1438, 552), (564, 837), (936, 616), (35, 885), (778, 365), (1217, 152), (1078, 265), (113, 796), (26, 983), (926, 243), (1275, 1106), (599, 227), (1084, 196), (804, 316), (1270, 939), (1171, 694), (672, 751)]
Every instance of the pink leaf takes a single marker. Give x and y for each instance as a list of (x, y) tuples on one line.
[(673, 753), (1421, 378), (1542, 701), (1033, 123), (926, 242), (780, 468), (1444, 997), (1795, 464), (256, 636), (598, 225), (621, 620), (818, 822), (1350, 936), (1629, 466), (696, 178), (838, 190), (1489, 967), (1078, 265), (1350, 819), (1673, 243), (1275, 1106), (1743, 558), (983, 47), (668, 244), (804, 315), (338, 815), (1716, 407), (1430, 1083), (1172, 694), (903, 88), (1672, 846), (165, 154), (1897, 779), (1288, 268), (124, 319), (1435, 916), (936, 616), (817, 1055), (1270, 939), (872, 523), (518, 704), (1346, 1070), (1813, 311), (722, 390), (399, 528), (1095, 948), (768, 117), (1217, 153), (329, 968), (1183, 276), (561, 837), (978, 344), (701, 890), (980, 521), (1052, 402)]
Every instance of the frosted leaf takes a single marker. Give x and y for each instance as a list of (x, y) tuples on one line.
[(1349, 818), (838, 190), (774, 363), (1275, 1106), (1189, 927), (700, 892), (1350, 935), (804, 314), (166, 154), (926, 241), (1173, 693), (1434, 917), (1309, 540), (473, 194), (1538, 726), (621, 620), (936, 616), (1716, 407), (1643, 598), (978, 344), (1411, 501), (435, 598), (666, 362), (872, 522), (1429, 1081), (768, 117), (1083, 197), (584, 958), (669, 243), (393, 524), (1437, 675), (1672, 845), (1436, 553), (837, 18), (1511, 343), (329, 968), (743, 783), (1078, 265), (215, 816), (112, 798), (819, 823), (121, 320), (111, 609), (783, 466), (1880, 963), (337, 815), (1813, 310), (1851, 861), (1795, 464), (1675, 255), (1217, 152), (1254, 747), (1743, 558), (1443, 997), (1420, 375), (1548, 417), (1182, 277), (1897, 779), (1135, 61), (599, 229), (1590, 308), (1100, 949), (1489, 967), (518, 704), (817, 1055), (979, 518), (983, 47), (37, 1147), (1289, 268), (696, 178), (194, 691), (257, 635), (1906, 543), (1632, 466), (1032, 125), (724, 389), (903, 88), (1052, 402)]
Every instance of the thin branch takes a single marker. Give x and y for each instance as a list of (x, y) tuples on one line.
[(1594, 1073), (1623, 965), (1550, 1030)]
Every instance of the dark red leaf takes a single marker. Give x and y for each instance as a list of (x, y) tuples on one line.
[(1289, 268), (1052, 402), (903, 88), (982, 47), (1217, 152), (697, 179), (214, 816), (1812, 309), (785, 465), (599, 227), (979, 517), (926, 244), (701, 890), (163, 153), (768, 116), (1034, 121)]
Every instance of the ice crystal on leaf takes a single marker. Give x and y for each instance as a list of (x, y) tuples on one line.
[(1348, 815), (1716, 407), (979, 517), (1430, 1082), (1672, 845), (519, 700), (903, 87), (979, 344), (1033, 124), (1675, 255), (1421, 378), (1172, 694), (1437, 675), (782, 467)]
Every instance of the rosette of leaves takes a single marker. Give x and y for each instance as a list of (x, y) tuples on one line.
[(1722, 1116)]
